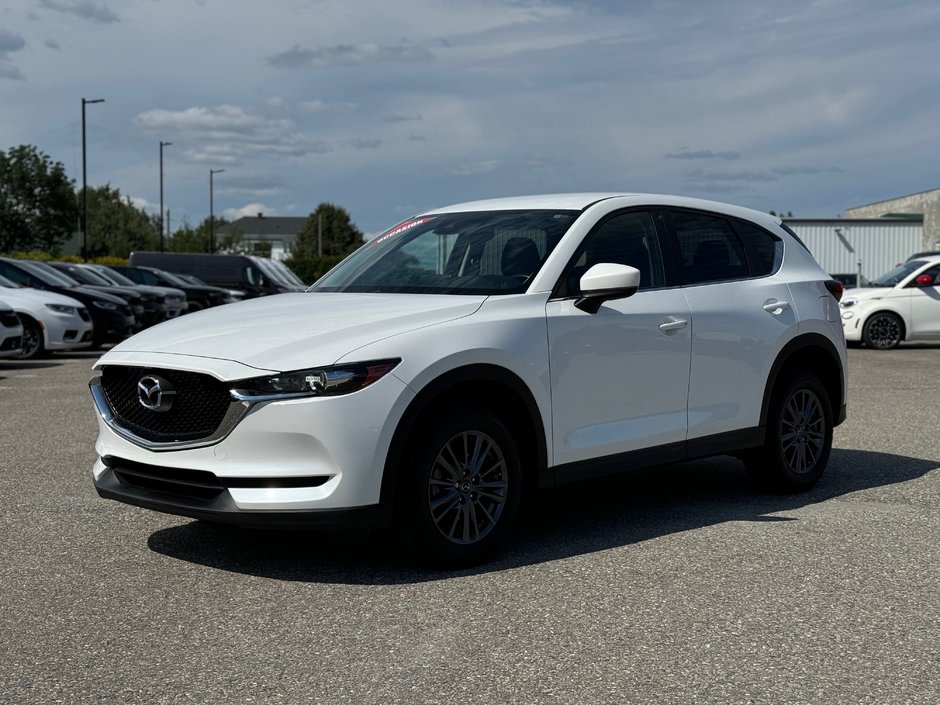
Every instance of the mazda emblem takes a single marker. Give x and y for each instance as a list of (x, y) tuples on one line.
[(155, 393)]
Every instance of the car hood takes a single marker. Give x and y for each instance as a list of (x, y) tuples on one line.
[(294, 331), (867, 293), (36, 297)]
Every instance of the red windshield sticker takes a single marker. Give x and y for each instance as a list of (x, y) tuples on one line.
[(400, 228)]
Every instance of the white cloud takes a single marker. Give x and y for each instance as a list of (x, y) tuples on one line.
[(473, 168), (250, 210)]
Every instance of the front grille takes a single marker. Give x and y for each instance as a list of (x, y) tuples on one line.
[(12, 343), (9, 319), (197, 410), (198, 484), (125, 309), (83, 313)]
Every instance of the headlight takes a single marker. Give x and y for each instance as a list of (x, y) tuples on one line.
[(106, 305), (318, 382), (59, 308)]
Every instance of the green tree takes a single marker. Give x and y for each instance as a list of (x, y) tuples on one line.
[(196, 239), (37, 201), (331, 225), (116, 227)]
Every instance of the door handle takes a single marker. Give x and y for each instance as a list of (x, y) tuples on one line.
[(776, 307), (671, 323)]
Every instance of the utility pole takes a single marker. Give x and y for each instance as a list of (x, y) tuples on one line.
[(319, 234), (85, 101), (162, 145), (212, 212)]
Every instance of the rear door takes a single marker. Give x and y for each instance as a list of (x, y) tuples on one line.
[(742, 314)]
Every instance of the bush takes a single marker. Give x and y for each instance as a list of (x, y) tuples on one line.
[(309, 269)]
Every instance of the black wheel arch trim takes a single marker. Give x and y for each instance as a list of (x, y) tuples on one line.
[(803, 342), (432, 392)]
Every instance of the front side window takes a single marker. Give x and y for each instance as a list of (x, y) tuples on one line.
[(486, 252), (626, 238), (709, 249)]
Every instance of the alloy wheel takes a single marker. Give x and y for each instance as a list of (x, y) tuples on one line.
[(802, 431), (468, 487)]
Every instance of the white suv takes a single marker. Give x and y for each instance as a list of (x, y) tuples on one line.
[(476, 352)]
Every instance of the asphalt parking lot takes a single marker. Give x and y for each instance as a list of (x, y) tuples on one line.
[(678, 585)]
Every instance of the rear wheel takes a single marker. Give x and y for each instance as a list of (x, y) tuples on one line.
[(798, 438), (32, 341), (882, 331), (463, 486)]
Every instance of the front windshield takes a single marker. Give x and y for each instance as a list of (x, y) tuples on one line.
[(483, 252), (47, 275), (173, 279), (268, 268), (88, 276), (898, 274), (112, 276), (288, 274)]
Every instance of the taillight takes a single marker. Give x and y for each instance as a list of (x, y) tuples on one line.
[(836, 289)]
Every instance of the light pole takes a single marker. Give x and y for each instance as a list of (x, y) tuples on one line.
[(85, 101), (162, 145), (212, 211)]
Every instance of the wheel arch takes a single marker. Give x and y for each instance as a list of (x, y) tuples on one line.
[(478, 382), (816, 353), (27, 317)]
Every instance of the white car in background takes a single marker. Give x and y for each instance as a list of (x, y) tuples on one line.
[(11, 331), (476, 352), (50, 321), (903, 304)]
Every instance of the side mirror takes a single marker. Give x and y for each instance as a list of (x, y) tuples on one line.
[(604, 282), (924, 280)]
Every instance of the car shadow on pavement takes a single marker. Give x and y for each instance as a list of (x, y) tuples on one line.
[(570, 521)]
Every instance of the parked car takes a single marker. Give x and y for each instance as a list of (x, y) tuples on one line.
[(50, 321), (11, 331), (233, 294), (148, 308), (851, 280), (174, 300), (902, 304), (112, 316), (475, 352), (240, 272), (197, 297)]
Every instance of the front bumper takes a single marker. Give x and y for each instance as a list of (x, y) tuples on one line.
[(223, 508), (296, 456), (852, 324)]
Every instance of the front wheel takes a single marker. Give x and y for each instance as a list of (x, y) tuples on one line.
[(798, 439), (32, 345), (463, 486), (882, 331)]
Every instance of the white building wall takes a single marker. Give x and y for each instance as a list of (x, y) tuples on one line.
[(878, 244)]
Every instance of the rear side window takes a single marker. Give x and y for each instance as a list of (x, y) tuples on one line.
[(767, 248), (709, 249)]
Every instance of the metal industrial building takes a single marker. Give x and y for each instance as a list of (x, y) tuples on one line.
[(874, 245)]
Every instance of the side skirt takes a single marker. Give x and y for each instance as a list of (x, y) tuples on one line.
[(728, 443)]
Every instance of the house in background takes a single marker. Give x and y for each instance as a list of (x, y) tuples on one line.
[(271, 236)]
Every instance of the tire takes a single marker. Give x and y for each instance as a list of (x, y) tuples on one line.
[(798, 438), (462, 488), (33, 345), (883, 331)]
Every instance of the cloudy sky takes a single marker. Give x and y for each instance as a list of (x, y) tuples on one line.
[(389, 108)]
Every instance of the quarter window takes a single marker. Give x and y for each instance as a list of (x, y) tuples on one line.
[(709, 249), (769, 249)]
